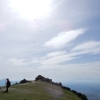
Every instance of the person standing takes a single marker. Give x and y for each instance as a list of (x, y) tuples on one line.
[(7, 84)]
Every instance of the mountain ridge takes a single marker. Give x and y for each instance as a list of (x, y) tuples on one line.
[(41, 89), (36, 90)]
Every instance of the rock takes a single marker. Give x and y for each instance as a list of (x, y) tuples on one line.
[(23, 81), (39, 77)]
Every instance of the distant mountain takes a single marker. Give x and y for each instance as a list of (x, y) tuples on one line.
[(2, 82)]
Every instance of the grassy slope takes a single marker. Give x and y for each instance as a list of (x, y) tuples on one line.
[(37, 91)]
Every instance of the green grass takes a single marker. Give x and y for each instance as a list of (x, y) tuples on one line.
[(37, 91)]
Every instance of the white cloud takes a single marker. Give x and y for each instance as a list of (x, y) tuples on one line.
[(55, 58), (17, 62), (49, 67), (34, 61), (88, 47), (57, 53), (64, 38), (51, 61)]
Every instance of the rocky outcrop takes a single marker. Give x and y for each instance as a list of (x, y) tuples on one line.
[(23, 81), (39, 77)]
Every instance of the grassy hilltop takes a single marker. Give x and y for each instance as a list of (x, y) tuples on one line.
[(37, 90)]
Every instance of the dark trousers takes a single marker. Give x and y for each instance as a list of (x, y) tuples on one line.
[(6, 88)]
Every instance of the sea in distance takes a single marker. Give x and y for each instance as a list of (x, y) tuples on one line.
[(91, 90)]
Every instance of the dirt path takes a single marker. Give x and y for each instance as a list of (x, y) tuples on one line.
[(55, 93)]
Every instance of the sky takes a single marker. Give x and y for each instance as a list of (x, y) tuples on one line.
[(58, 39)]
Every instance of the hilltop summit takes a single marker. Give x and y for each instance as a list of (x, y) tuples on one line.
[(40, 89)]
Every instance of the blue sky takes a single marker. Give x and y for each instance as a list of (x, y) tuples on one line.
[(57, 39)]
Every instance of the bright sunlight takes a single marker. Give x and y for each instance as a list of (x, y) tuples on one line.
[(31, 9)]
